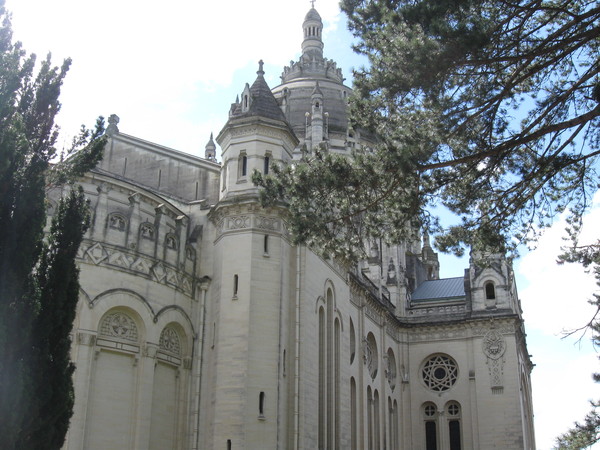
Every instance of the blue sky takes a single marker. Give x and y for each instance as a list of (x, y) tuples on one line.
[(171, 72)]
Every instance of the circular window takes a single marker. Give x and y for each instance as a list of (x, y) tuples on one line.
[(439, 372)]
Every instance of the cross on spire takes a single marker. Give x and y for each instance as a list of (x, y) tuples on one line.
[(312, 2)]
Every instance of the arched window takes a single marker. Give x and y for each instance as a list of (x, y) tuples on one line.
[(243, 165), (453, 415), (352, 342), (266, 165), (329, 339), (490, 291), (430, 417), (353, 410)]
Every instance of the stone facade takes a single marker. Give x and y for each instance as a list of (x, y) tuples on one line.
[(201, 326)]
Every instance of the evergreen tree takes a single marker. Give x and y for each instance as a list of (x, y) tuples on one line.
[(490, 108), (38, 282)]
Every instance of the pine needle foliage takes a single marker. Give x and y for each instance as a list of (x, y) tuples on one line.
[(489, 108)]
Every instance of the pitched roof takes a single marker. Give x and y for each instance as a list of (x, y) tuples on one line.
[(444, 289)]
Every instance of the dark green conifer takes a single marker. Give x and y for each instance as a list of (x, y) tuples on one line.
[(38, 281)]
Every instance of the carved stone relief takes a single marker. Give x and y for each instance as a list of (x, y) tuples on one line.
[(119, 325), (494, 347)]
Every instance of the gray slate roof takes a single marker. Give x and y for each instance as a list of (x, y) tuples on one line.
[(446, 288), (263, 102)]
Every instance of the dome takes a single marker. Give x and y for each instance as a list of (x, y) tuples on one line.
[(312, 15)]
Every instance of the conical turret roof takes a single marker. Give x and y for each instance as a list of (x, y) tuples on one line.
[(261, 102)]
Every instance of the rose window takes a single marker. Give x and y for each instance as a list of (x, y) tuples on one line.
[(439, 373)]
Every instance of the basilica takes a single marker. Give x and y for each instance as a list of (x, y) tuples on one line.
[(201, 326)]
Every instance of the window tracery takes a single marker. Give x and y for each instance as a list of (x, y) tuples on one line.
[(439, 372)]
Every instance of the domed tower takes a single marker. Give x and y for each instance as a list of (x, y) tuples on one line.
[(210, 149), (314, 98)]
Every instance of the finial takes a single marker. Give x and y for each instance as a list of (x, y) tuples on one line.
[(312, 2), (260, 68)]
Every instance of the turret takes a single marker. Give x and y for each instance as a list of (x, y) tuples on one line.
[(256, 134), (491, 284), (210, 150)]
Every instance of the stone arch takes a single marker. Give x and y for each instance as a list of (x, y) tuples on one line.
[(116, 298), (112, 324), (175, 316), (320, 302), (111, 292)]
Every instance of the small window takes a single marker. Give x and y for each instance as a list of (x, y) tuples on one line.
[(266, 245), (261, 405), (490, 291), (228, 444), (235, 285), (244, 165), (266, 168), (284, 364)]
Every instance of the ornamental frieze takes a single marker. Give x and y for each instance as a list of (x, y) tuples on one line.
[(237, 222), (481, 329), (136, 263), (436, 334), (267, 223), (373, 314)]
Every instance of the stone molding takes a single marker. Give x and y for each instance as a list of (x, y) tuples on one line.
[(138, 264)]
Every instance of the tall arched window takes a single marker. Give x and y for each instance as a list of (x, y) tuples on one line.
[(430, 417), (329, 375), (353, 424), (490, 290), (454, 433)]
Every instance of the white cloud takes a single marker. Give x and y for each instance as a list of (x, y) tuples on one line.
[(555, 296), (554, 299), (156, 64)]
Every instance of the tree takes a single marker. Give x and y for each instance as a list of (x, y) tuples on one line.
[(489, 108), (38, 280)]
